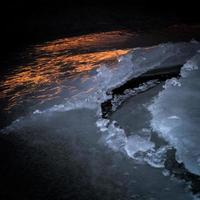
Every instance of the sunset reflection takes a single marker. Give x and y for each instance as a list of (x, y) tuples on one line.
[(99, 40), (55, 63)]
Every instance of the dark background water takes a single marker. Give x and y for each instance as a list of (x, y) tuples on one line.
[(29, 22)]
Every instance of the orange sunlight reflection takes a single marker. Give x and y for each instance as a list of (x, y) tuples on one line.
[(54, 62), (97, 40)]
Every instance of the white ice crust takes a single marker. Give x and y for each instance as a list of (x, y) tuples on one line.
[(176, 114)]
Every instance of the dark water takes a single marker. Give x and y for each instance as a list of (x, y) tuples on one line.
[(60, 153)]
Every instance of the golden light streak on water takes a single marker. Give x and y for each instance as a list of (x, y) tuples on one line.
[(55, 62), (85, 42)]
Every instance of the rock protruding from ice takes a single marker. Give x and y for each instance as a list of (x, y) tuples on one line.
[(176, 114)]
